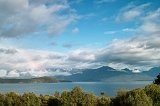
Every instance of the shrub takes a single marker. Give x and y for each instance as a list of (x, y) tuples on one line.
[(153, 91), (30, 99), (2, 100), (120, 99), (136, 97), (77, 97), (104, 101), (157, 80)]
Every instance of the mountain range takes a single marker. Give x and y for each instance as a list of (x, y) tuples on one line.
[(101, 74), (106, 73)]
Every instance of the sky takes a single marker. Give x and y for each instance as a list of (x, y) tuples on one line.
[(38, 35)]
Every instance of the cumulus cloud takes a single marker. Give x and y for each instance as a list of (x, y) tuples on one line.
[(82, 55), (24, 17), (150, 22), (141, 51), (8, 51), (3, 73), (135, 52)]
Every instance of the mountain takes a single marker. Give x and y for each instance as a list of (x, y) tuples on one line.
[(106, 73), (152, 72), (30, 80)]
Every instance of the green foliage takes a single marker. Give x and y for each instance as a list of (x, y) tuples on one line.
[(157, 80), (2, 100), (30, 99), (44, 99), (136, 97), (12, 99), (104, 101), (149, 96), (77, 97), (153, 91), (89, 100), (73, 98), (120, 99), (54, 102)]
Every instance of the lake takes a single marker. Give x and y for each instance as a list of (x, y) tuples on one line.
[(93, 87)]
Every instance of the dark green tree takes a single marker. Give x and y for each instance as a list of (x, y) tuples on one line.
[(104, 101), (44, 99), (153, 91), (136, 97), (2, 99), (157, 80), (13, 99), (30, 99)]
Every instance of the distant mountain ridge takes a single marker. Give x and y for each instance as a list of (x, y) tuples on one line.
[(106, 73), (29, 80)]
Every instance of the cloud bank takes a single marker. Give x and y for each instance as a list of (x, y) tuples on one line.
[(21, 17), (25, 17)]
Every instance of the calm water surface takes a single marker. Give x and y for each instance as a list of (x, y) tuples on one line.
[(92, 87)]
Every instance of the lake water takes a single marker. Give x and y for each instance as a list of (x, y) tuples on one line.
[(92, 87)]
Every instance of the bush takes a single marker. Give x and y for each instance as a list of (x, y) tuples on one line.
[(135, 97), (77, 97), (153, 91), (12, 99), (120, 99), (2, 100), (157, 80), (104, 101), (30, 99), (89, 100)]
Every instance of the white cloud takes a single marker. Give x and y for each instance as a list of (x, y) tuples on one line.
[(3, 73), (149, 27), (24, 17), (103, 1), (82, 55), (131, 11), (110, 32), (128, 30), (150, 22), (141, 51), (13, 73), (119, 31)]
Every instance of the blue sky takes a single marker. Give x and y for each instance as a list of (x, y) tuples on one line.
[(96, 24), (79, 33)]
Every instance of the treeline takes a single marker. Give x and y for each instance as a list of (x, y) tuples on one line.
[(148, 96)]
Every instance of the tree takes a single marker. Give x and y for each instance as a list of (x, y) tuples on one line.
[(153, 91), (13, 99), (44, 99), (77, 97), (2, 99), (157, 80), (104, 101), (90, 100), (66, 98), (136, 97), (120, 99), (30, 99)]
